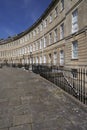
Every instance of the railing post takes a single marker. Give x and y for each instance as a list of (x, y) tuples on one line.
[(81, 85), (84, 82)]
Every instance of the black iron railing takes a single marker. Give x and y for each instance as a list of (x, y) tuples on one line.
[(73, 81)]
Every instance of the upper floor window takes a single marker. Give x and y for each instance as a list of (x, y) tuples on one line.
[(20, 41), (26, 38), (34, 33), (22, 51), (50, 18), (75, 50), (41, 26), (62, 31), (45, 23), (41, 43), (56, 11), (28, 49), (36, 45), (62, 5), (75, 21), (25, 49), (31, 48), (50, 38), (37, 30), (45, 41), (31, 34), (55, 35)]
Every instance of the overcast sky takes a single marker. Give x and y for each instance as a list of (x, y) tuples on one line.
[(18, 15)]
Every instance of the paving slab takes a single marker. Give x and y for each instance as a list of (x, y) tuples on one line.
[(4, 129), (21, 127), (29, 102)]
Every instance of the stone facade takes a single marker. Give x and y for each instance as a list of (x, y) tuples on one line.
[(58, 37)]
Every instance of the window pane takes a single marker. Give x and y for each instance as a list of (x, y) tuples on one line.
[(75, 49), (62, 31), (75, 21), (61, 57)]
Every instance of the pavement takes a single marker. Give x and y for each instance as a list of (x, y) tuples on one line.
[(29, 102)]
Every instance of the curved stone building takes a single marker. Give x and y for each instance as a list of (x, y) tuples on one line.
[(58, 37)]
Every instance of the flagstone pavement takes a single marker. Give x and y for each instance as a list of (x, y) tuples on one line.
[(29, 102)]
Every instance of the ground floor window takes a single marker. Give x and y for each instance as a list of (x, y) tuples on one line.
[(74, 73), (37, 60), (75, 50), (55, 58), (44, 59), (61, 57), (33, 60), (30, 60), (40, 59), (27, 61), (23, 61), (50, 58)]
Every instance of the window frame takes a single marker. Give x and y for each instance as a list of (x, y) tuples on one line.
[(55, 58), (62, 5), (50, 38), (61, 57), (62, 31), (74, 21), (45, 41), (45, 23), (56, 11), (55, 35), (74, 51), (50, 20)]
